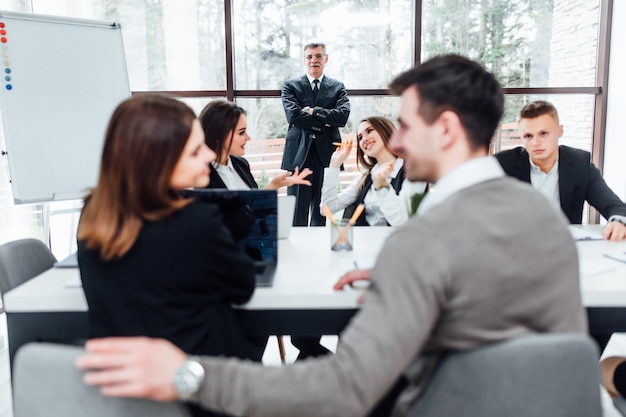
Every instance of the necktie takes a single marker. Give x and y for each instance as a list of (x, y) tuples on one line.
[(316, 87)]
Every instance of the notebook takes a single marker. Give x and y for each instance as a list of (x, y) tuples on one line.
[(252, 217), (286, 208)]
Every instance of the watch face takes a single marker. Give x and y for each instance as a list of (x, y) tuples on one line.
[(188, 378)]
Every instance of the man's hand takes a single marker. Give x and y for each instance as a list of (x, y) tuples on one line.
[(308, 110), (614, 231), (352, 278), (137, 367)]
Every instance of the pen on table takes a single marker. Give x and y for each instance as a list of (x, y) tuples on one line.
[(356, 265)]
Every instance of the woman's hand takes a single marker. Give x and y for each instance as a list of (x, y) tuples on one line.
[(341, 154), (379, 177), (287, 179)]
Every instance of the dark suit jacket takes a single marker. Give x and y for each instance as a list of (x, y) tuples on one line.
[(242, 166), (331, 107), (579, 180)]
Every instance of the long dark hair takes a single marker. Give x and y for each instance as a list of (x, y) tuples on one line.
[(144, 140), (219, 119)]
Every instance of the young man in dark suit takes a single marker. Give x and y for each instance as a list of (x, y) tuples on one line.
[(316, 107), (566, 176)]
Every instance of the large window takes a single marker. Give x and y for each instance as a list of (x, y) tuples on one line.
[(200, 50), (367, 41)]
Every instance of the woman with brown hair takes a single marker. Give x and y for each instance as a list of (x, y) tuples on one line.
[(154, 263), (381, 188), (226, 131)]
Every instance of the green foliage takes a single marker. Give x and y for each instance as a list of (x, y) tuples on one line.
[(416, 199), (264, 179)]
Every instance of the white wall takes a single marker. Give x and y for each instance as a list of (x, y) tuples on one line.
[(615, 141)]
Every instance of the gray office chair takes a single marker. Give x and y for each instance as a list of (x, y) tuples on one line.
[(47, 384), (22, 260), (533, 376)]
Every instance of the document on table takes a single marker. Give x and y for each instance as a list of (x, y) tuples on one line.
[(616, 256), (615, 347), (582, 234)]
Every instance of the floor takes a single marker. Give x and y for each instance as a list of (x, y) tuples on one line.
[(271, 357)]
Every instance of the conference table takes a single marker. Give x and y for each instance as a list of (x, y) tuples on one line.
[(301, 301)]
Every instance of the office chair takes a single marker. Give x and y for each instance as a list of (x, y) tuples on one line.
[(22, 260), (47, 384), (539, 375)]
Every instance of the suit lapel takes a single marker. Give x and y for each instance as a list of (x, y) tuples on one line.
[(522, 167), (567, 175), (306, 87)]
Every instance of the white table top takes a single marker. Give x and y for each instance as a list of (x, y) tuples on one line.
[(307, 270)]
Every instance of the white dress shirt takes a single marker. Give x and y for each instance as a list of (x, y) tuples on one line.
[(381, 206), (547, 183), (469, 173), (231, 178)]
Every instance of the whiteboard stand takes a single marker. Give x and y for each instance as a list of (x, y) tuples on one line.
[(62, 78)]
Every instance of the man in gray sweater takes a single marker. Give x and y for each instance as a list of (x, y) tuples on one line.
[(486, 259)]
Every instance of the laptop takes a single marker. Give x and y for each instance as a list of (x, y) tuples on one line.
[(286, 208), (252, 217)]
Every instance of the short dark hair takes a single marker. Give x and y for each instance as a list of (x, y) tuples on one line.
[(538, 108), (219, 119), (312, 45), (457, 84)]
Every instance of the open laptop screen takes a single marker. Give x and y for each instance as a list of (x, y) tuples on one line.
[(251, 216)]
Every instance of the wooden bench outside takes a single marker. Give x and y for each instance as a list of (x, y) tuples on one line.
[(265, 157)]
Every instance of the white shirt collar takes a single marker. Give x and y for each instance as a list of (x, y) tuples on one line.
[(311, 78), (230, 176), (470, 173)]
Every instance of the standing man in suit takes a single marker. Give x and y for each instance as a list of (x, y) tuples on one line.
[(316, 107), (566, 176)]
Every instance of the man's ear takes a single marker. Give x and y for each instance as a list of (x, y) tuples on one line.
[(560, 130), (450, 125)]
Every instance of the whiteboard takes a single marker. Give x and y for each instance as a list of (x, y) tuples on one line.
[(61, 80)]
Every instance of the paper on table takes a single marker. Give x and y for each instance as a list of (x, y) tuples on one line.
[(582, 234), (615, 347), (616, 256)]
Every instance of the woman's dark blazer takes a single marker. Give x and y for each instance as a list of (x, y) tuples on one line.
[(242, 166)]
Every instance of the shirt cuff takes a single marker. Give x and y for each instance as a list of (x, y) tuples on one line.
[(618, 218)]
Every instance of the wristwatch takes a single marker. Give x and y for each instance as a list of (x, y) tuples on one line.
[(188, 378)]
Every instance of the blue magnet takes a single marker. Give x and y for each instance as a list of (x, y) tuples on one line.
[(8, 78), (9, 87), (7, 70)]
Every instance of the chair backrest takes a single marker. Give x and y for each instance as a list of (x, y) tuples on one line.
[(46, 383), (539, 375), (22, 260)]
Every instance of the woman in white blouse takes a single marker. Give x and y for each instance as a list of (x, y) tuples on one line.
[(225, 130), (381, 188)]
